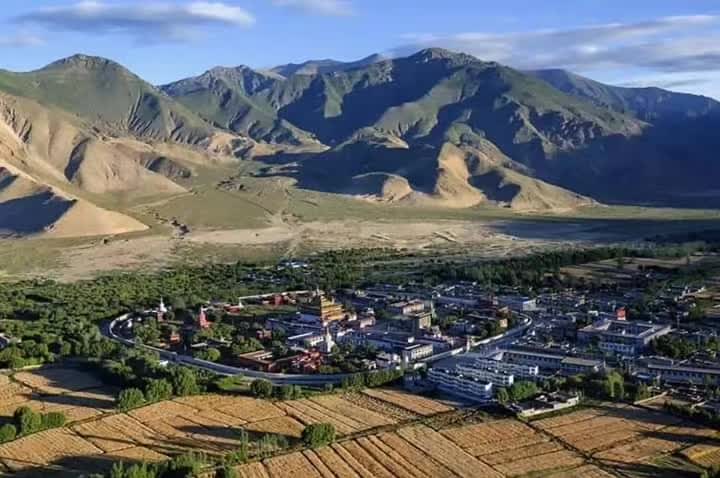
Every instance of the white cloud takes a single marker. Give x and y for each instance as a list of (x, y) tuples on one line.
[(669, 44), (144, 20), (322, 7)]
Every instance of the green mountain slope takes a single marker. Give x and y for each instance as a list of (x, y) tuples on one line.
[(234, 99), (648, 104), (111, 97)]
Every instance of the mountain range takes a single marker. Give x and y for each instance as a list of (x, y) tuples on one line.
[(83, 136)]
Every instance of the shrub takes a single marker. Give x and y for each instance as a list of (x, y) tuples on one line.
[(130, 398), (157, 390), (53, 420), (27, 421), (184, 382), (8, 432), (227, 472), (317, 435), (262, 388)]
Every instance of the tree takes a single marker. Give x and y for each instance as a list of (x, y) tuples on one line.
[(27, 421), (52, 420), (184, 382), (261, 388), (520, 391), (211, 355), (8, 432), (158, 389), (503, 397), (317, 435), (130, 398)]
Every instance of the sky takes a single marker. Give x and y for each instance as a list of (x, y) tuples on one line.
[(668, 43)]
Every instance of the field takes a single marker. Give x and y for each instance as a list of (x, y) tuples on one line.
[(96, 437), (77, 394), (383, 433), (636, 441)]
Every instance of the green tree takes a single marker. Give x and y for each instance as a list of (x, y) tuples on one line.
[(184, 382), (158, 389), (261, 388), (317, 435), (8, 432), (53, 420), (27, 421), (503, 396), (130, 398)]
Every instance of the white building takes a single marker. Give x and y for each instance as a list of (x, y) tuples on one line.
[(458, 384)]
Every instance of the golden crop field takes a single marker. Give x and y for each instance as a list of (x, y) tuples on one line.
[(408, 401), (381, 433)]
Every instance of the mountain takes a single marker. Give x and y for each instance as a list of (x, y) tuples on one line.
[(648, 104), (233, 99), (110, 97), (316, 67), (437, 128)]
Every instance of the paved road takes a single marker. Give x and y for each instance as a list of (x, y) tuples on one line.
[(226, 370)]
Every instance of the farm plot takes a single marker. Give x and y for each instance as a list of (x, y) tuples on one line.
[(414, 455), (367, 418), (308, 412), (582, 435), (56, 381), (252, 470), (285, 426), (491, 437), (45, 448), (446, 452), (336, 463), (413, 403), (706, 455), (387, 409), (292, 465), (638, 450), (584, 471)]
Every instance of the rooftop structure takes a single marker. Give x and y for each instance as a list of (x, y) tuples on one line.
[(323, 310), (622, 337)]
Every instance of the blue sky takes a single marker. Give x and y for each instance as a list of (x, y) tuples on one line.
[(666, 43)]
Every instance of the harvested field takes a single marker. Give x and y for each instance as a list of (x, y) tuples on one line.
[(491, 437), (319, 465), (252, 470), (584, 471), (414, 455), (292, 465), (286, 426), (558, 460), (56, 381), (386, 409), (250, 409), (385, 457), (308, 415), (368, 418), (138, 454), (161, 410), (47, 447), (374, 467), (446, 452), (335, 462), (639, 450), (415, 404), (703, 454), (521, 453)]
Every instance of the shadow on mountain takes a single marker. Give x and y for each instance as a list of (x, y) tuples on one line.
[(31, 214)]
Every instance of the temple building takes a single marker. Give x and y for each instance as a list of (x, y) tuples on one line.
[(322, 310)]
